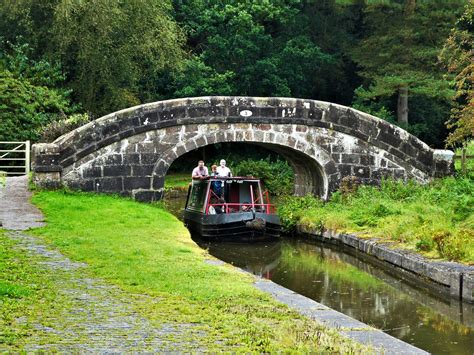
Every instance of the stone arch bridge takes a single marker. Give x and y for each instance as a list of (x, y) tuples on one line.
[(130, 151)]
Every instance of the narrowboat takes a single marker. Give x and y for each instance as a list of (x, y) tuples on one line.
[(230, 208)]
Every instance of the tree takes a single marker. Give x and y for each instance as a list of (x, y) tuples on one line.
[(397, 54), (108, 47), (458, 56), (29, 97)]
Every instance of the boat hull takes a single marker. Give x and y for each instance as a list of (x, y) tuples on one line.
[(242, 226)]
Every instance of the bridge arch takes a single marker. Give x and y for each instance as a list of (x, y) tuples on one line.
[(129, 151), (313, 168)]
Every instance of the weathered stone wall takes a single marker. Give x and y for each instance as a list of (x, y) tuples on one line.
[(130, 151)]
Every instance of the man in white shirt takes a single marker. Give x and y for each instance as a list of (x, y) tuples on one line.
[(200, 171), (223, 170)]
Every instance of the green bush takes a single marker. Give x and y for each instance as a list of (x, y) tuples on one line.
[(277, 175), (437, 217), (56, 129)]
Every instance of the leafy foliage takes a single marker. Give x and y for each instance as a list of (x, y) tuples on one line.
[(277, 176), (29, 98), (458, 55), (56, 129), (398, 54), (437, 218)]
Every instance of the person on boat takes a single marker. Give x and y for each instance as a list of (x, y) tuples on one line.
[(216, 186), (223, 170), (200, 171)]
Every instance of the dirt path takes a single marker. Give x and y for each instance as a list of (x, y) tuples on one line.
[(99, 317)]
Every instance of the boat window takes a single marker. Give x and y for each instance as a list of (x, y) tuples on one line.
[(197, 196)]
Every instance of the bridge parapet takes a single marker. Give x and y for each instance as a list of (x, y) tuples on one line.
[(354, 143)]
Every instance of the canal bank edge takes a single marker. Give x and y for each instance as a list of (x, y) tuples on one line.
[(343, 324), (453, 279)]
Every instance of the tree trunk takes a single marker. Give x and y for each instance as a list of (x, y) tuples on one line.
[(410, 6), (402, 106)]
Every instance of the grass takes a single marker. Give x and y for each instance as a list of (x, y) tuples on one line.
[(469, 163), (177, 181), (26, 295), (145, 250), (436, 220), (3, 178)]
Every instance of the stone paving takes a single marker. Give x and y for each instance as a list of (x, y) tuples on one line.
[(101, 317)]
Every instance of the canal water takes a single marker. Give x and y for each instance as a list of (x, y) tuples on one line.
[(343, 281)]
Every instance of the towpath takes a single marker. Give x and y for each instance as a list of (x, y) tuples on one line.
[(99, 318)]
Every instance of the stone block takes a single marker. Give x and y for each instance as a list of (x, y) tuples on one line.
[(414, 263), (136, 182), (397, 153), (367, 160), (113, 139), (392, 256), (345, 169), (408, 149), (172, 113), (437, 273), (368, 128), (468, 286), (142, 170), (349, 119), (315, 114), (426, 158), (110, 129), (147, 195), (267, 112), (66, 152), (92, 172), (123, 134), (380, 174), (129, 123), (148, 158), (350, 240), (47, 180), (47, 168), (388, 135), (81, 184), (131, 159), (109, 184), (114, 159), (161, 168), (350, 158), (159, 182), (117, 170), (68, 161)]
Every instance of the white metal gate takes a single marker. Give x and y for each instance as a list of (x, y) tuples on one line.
[(15, 158)]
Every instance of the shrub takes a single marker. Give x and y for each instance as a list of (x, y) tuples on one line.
[(277, 176), (291, 209), (56, 129)]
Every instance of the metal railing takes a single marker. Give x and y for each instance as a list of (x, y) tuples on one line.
[(15, 158)]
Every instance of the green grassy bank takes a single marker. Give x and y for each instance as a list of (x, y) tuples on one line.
[(145, 250), (436, 220)]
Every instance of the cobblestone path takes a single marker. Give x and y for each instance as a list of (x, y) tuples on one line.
[(100, 317)]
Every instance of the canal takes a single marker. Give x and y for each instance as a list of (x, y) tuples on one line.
[(345, 282)]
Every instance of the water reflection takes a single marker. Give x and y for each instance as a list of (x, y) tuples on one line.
[(366, 293)]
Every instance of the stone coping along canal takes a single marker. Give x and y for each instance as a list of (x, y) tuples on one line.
[(453, 279)]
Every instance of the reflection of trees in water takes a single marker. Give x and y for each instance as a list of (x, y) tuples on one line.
[(325, 275), (357, 288)]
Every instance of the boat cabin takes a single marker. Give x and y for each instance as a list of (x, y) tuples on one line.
[(228, 195)]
